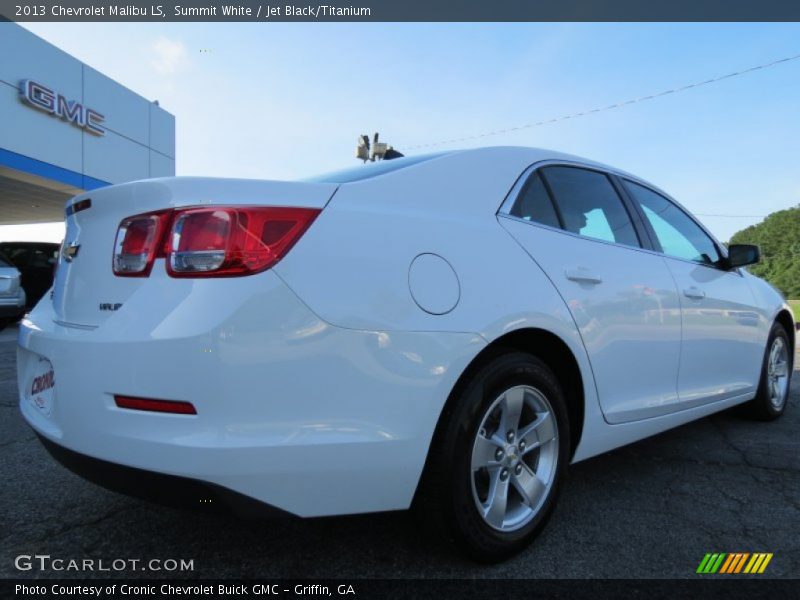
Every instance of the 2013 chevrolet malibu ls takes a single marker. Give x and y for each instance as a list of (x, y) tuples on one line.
[(448, 330)]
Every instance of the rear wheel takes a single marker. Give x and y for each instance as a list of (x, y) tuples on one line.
[(773, 388), (498, 458)]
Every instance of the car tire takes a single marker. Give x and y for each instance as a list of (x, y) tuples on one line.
[(776, 373), (480, 452)]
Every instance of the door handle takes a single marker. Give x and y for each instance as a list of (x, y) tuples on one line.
[(694, 293), (582, 275)]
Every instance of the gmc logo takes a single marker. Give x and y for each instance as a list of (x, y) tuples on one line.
[(56, 104)]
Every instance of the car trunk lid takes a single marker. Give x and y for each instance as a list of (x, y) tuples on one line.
[(86, 291)]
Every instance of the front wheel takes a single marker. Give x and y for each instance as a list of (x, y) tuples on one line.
[(498, 458), (776, 371)]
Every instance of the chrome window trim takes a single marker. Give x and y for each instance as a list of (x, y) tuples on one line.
[(508, 203)]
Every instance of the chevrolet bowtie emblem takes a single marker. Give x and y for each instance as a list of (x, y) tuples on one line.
[(70, 251)]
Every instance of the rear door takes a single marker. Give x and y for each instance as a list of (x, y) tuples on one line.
[(574, 223), (722, 346)]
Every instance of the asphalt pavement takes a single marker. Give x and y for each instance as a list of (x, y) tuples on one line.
[(649, 510)]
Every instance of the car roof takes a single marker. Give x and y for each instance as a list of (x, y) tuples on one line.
[(532, 155)]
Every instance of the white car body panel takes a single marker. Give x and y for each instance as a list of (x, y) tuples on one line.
[(723, 333), (354, 433), (319, 383), (631, 304)]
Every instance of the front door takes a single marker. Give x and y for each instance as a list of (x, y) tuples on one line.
[(723, 346)]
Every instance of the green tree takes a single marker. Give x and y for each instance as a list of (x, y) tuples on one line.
[(779, 238)]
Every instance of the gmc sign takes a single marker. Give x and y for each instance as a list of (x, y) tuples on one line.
[(52, 102)]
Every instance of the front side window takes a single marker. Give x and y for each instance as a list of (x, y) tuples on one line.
[(589, 205), (677, 233)]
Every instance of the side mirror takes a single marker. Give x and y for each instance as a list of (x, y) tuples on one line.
[(740, 255)]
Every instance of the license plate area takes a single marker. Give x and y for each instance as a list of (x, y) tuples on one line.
[(41, 386)]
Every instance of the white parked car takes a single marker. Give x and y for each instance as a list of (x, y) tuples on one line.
[(12, 295), (448, 330)]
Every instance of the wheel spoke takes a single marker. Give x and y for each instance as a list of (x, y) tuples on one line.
[(484, 453), (530, 487), (497, 500), (537, 433), (775, 389), (780, 368), (513, 401)]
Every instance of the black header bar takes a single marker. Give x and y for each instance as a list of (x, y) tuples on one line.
[(403, 10)]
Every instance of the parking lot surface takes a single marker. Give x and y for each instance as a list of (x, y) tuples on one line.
[(651, 510)]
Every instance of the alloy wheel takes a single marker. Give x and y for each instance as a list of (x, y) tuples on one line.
[(514, 458), (778, 373)]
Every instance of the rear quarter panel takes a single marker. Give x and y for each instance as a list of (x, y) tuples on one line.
[(352, 266)]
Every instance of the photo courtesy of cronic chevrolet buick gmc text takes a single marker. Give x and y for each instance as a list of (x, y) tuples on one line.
[(447, 331)]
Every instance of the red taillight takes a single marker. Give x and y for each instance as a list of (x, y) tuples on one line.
[(139, 240), (165, 406), (215, 241), (231, 241)]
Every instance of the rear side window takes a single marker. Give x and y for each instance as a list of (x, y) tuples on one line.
[(534, 203), (18, 255), (677, 233), (41, 258), (589, 205)]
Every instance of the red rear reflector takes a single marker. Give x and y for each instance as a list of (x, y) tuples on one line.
[(227, 241), (164, 406), (139, 239)]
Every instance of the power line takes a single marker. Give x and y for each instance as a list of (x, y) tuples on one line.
[(611, 106), (734, 216)]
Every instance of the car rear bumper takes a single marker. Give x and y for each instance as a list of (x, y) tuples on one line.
[(170, 490), (12, 306), (11, 312), (291, 411)]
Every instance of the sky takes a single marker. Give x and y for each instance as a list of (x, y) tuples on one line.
[(288, 100)]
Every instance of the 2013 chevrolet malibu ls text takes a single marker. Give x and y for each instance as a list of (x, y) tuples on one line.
[(447, 330)]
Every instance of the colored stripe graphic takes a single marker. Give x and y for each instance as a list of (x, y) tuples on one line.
[(765, 563), (734, 562), (758, 563), (702, 567), (730, 561), (711, 563), (741, 562)]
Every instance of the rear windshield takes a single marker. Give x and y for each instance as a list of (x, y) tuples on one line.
[(370, 170)]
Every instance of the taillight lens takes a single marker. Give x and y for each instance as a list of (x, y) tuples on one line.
[(139, 240), (231, 241)]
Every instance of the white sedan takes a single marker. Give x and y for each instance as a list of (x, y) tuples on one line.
[(448, 330)]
